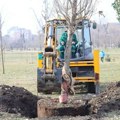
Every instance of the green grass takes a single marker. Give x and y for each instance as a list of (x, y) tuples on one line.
[(110, 71), (21, 69)]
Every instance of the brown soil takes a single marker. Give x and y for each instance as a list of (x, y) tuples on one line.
[(17, 100), (51, 107), (107, 101)]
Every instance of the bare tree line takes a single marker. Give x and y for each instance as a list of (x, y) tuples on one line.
[(20, 38), (106, 38)]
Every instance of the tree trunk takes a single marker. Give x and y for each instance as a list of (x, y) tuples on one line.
[(70, 33), (68, 51), (2, 56), (66, 72)]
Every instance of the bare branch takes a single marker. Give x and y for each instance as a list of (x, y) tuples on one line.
[(61, 10)]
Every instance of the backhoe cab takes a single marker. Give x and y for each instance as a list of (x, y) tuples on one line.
[(84, 64)]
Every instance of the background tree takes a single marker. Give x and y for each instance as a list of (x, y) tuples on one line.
[(1, 44), (45, 10), (116, 6)]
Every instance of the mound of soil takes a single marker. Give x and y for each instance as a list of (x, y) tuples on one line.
[(18, 100), (107, 101)]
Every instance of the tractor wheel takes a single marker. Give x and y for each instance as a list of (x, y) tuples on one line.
[(97, 88), (91, 87)]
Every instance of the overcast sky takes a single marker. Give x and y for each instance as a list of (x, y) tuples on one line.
[(19, 13)]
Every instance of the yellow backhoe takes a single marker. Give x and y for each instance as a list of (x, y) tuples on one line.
[(84, 66)]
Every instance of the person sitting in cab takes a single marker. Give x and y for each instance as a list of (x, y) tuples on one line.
[(63, 42)]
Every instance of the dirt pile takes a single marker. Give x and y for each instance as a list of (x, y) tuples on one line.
[(20, 101), (107, 101), (17, 100)]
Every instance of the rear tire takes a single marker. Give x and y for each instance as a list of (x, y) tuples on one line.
[(97, 88), (93, 87)]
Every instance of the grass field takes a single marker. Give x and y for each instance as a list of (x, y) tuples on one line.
[(21, 69)]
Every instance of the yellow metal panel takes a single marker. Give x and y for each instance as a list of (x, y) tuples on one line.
[(40, 65), (72, 65), (40, 60), (82, 63), (85, 79), (96, 61)]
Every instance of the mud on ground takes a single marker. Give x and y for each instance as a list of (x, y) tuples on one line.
[(19, 101), (107, 101)]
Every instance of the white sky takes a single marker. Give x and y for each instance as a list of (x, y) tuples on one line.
[(108, 11), (19, 13)]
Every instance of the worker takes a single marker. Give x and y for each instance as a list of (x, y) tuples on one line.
[(102, 55), (63, 41)]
